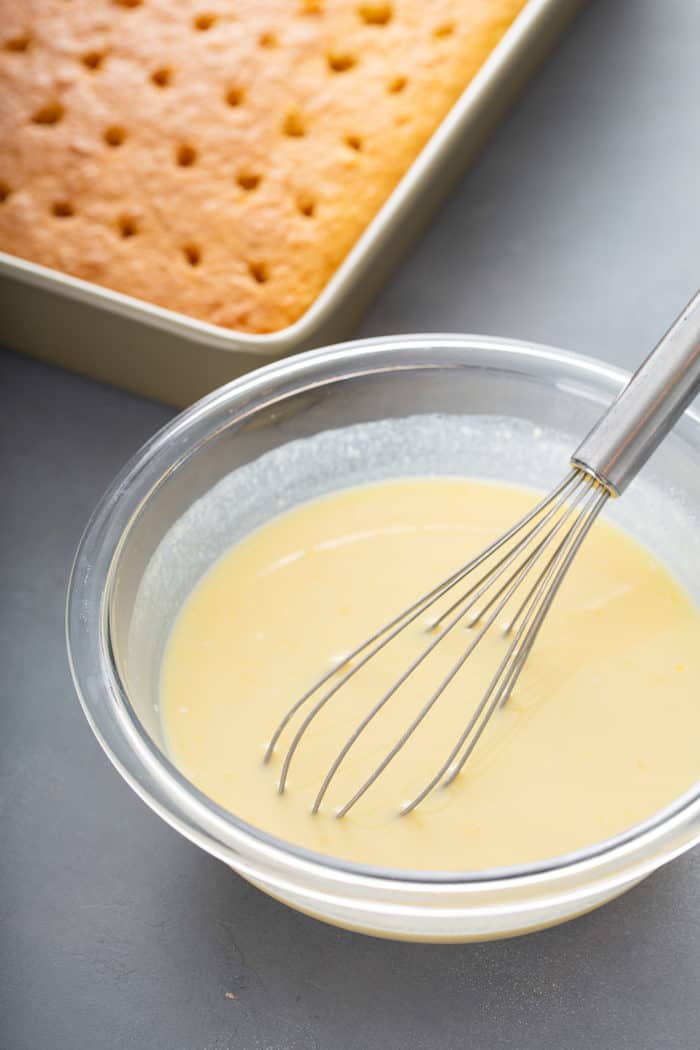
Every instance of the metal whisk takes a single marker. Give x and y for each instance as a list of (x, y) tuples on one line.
[(517, 577)]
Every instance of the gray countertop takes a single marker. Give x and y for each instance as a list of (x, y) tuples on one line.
[(579, 226)]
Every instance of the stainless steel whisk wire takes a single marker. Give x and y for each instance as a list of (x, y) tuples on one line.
[(552, 532)]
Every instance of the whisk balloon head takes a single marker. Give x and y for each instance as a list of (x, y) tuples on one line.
[(509, 586)]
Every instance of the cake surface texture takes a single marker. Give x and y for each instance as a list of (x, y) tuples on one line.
[(220, 158)]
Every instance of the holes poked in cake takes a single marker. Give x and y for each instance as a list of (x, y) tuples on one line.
[(93, 59), (128, 3), (268, 39), (294, 124), (62, 208), (340, 61), (127, 226), (114, 135), (185, 155), (306, 204), (162, 76), (234, 96), (376, 13), (18, 43), (445, 29), (5, 190), (354, 142), (248, 180), (259, 271), (49, 113), (396, 85), (192, 253), (311, 7), (204, 21)]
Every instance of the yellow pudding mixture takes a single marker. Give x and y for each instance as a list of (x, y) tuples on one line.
[(602, 729)]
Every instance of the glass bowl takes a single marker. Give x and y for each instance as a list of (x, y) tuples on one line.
[(145, 546)]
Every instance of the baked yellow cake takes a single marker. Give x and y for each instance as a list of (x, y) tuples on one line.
[(221, 157)]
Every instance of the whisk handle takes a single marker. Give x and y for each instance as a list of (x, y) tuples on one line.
[(644, 411)]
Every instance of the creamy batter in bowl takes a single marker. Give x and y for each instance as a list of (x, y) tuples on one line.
[(296, 430)]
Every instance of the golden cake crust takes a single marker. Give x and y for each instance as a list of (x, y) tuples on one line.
[(220, 159)]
